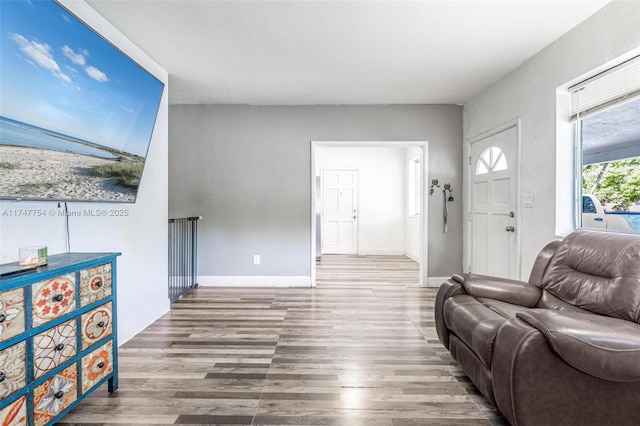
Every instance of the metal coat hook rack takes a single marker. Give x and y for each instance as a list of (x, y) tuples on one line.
[(447, 198), (445, 209), (434, 184), (447, 187)]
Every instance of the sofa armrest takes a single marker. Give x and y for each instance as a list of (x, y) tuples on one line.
[(511, 291), (604, 347), (447, 289)]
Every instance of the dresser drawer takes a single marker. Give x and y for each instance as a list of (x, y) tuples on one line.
[(53, 347), (11, 313), (95, 284), (96, 325), (97, 365), (54, 395), (13, 369), (15, 414), (53, 298)]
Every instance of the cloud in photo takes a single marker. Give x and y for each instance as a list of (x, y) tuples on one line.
[(39, 54), (76, 58), (80, 58), (96, 74)]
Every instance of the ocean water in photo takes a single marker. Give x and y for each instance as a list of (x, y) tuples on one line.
[(16, 133)]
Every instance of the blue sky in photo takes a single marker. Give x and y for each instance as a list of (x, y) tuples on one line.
[(58, 74)]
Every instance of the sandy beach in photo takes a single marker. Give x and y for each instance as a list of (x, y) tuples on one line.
[(42, 173)]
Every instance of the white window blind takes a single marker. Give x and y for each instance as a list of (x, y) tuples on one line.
[(608, 88)]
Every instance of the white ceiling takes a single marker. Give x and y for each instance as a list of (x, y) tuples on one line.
[(339, 52)]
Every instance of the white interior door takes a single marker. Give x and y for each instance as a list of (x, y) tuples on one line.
[(339, 211), (493, 205)]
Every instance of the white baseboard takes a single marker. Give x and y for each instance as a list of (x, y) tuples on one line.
[(144, 319), (253, 281), (376, 252), (436, 281), (413, 256)]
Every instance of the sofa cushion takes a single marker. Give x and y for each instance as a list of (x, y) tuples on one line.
[(506, 310), (598, 272), (607, 348), (475, 324)]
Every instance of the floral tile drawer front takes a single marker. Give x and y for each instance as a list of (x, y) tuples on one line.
[(53, 347), (54, 395), (53, 298), (95, 284), (96, 324), (97, 365), (15, 414), (13, 369), (11, 313)]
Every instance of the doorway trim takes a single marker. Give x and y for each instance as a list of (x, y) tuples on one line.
[(466, 254), (424, 224)]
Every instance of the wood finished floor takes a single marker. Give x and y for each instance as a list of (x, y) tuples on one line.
[(359, 349)]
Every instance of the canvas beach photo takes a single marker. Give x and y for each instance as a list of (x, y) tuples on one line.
[(76, 114)]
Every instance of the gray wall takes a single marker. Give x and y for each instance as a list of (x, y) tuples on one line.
[(247, 171)]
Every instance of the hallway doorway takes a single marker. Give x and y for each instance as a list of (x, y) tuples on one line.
[(369, 234)]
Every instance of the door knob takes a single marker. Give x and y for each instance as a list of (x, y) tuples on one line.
[(354, 217), (510, 228)]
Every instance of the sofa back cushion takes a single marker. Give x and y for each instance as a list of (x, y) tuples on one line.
[(542, 263), (598, 272), (549, 301)]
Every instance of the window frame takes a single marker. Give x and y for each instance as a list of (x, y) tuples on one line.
[(415, 188)]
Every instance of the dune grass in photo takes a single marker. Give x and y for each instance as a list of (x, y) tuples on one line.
[(8, 165), (128, 173), (37, 187), (27, 172)]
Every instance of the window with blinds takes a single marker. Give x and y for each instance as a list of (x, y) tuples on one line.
[(611, 87), (606, 112)]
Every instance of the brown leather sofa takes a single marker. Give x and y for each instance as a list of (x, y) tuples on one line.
[(560, 349)]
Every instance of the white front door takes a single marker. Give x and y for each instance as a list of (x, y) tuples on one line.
[(339, 211), (493, 205)]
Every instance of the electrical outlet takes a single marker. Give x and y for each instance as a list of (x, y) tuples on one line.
[(256, 259)]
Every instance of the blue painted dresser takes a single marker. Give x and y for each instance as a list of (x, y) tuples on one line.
[(58, 340)]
